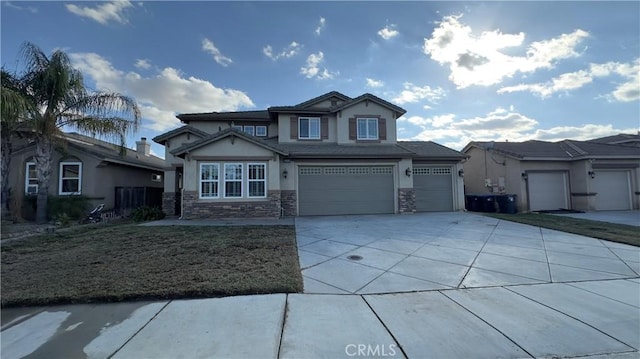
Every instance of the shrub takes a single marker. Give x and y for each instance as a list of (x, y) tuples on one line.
[(146, 213), (72, 207)]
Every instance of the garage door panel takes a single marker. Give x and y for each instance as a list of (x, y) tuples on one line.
[(548, 191), (433, 187), (346, 190), (613, 191)]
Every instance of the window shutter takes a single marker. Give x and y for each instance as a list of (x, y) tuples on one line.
[(294, 128), (353, 130), (382, 128), (324, 128)]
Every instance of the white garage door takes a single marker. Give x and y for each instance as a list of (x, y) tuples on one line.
[(433, 187), (548, 191), (613, 190), (345, 190)]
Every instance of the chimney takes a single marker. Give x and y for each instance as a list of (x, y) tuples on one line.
[(142, 147)]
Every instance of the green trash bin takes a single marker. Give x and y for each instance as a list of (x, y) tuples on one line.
[(507, 203)]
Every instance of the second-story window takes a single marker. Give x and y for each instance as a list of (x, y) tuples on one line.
[(261, 131), (249, 130), (309, 128), (367, 128)]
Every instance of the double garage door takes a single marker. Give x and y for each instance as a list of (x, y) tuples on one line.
[(335, 190), (339, 190)]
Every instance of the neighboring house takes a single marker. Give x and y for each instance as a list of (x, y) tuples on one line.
[(330, 155), (578, 175), (95, 169), (625, 139)]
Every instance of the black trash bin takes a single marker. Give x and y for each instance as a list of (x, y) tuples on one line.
[(507, 203), (472, 203), (487, 203)]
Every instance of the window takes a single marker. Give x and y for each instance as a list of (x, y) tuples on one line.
[(257, 180), (261, 131), (209, 175), (30, 179), (233, 180), (367, 128), (309, 128), (249, 130), (156, 177), (237, 127), (70, 178)]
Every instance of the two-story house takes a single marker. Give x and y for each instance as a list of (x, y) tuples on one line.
[(331, 155)]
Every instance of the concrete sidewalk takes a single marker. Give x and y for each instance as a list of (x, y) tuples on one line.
[(561, 320)]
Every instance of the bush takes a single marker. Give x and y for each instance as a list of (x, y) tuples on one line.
[(146, 213), (69, 207)]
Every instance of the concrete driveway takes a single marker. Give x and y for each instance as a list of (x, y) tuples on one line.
[(451, 285)]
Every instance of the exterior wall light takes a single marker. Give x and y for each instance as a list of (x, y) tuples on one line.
[(408, 172), (525, 176), (285, 173), (592, 174), (461, 173)]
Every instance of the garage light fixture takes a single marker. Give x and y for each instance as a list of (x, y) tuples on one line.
[(525, 176), (592, 174), (285, 173), (461, 173), (408, 172)]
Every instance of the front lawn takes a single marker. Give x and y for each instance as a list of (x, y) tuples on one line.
[(604, 230), (129, 262)]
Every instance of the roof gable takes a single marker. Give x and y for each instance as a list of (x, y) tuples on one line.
[(327, 96), (372, 98), (162, 139), (229, 132)]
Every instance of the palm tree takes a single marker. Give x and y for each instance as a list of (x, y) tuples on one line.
[(16, 109), (63, 101)]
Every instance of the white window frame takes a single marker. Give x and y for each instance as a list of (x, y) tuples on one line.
[(261, 131), (61, 178), (238, 127), (369, 122), (250, 180), (250, 130), (310, 120), (215, 181), (27, 178), (241, 179)]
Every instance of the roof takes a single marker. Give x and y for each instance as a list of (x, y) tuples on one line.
[(334, 150), (111, 152), (621, 139), (224, 134), (161, 139), (262, 115), (432, 150), (370, 97), (322, 98), (307, 106), (561, 150)]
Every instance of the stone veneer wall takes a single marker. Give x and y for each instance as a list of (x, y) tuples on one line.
[(289, 203), (169, 203), (406, 200), (193, 208)]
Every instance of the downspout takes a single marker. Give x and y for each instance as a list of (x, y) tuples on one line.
[(182, 190)]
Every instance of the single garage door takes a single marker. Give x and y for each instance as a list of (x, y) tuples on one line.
[(433, 187), (613, 190), (345, 190), (548, 191)]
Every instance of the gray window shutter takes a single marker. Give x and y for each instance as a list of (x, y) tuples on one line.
[(324, 128), (382, 128), (353, 129), (294, 127)]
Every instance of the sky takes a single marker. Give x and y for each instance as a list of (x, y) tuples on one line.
[(464, 71)]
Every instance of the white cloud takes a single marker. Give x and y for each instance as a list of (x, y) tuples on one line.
[(371, 83), (208, 46), (14, 6), (291, 50), (163, 95), (388, 32), (103, 13), (413, 93), (498, 125), (480, 60), (321, 25), (143, 64), (625, 92), (312, 68)]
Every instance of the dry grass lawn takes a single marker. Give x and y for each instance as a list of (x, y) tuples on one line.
[(129, 262)]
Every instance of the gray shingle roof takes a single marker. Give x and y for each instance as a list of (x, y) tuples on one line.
[(566, 149), (428, 149), (262, 115), (621, 138), (161, 139), (323, 97)]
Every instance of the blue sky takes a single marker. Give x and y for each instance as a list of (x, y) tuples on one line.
[(463, 70)]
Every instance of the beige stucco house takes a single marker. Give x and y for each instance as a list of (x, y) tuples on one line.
[(93, 168), (577, 175), (329, 155)]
